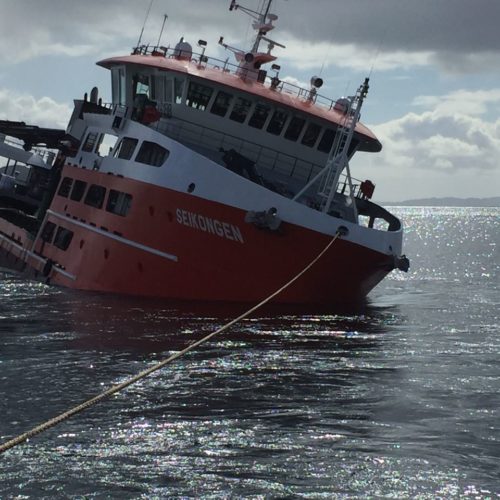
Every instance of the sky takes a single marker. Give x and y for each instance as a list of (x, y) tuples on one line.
[(434, 68)]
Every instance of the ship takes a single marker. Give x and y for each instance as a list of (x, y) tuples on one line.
[(205, 179)]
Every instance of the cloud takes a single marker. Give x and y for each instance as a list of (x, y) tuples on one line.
[(458, 35), (434, 153), (435, 141), (43, 112), (306, 55), (467, 102)]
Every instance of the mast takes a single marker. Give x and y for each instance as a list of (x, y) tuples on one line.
[(250, 62), (262, 21)]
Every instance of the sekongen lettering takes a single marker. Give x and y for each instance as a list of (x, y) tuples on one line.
[(208, 225)]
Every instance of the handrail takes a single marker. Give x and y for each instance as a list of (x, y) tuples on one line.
[(265, 157), (214, 140), (225, 66)]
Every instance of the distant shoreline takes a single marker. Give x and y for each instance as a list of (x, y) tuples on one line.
[(447, 202)]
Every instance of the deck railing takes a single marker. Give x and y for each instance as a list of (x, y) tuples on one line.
[(264, 157), (272, 82)]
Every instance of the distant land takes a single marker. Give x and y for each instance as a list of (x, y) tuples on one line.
[(447, 202)]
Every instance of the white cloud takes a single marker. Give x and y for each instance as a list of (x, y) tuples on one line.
[(466, 102), (308, 55), (457, 35), (432, 137), (442, 152), (44, 112)]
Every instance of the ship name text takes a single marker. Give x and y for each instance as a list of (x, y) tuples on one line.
[(208, 225)]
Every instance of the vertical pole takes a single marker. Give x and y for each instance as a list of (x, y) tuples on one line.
[(165, 17)]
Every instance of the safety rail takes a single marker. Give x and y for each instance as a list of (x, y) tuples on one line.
[(264, 157), (206, 138), (273, 82)]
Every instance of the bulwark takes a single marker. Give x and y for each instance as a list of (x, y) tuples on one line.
[(208, 225)]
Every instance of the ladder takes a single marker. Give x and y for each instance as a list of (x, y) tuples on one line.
[(338, 159)]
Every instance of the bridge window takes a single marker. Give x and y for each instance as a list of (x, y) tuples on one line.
[(78, 190), (260, 114), (240, 109), (311, 134), (126, 148), (221, 103), (65, 187), (90, 142), (141, 85), (277, 122), (295, 128), (151, 153), (118, 85), (95, 196), (106, 143), (198, 96), (327, 140), (119, 203), (178, 89)]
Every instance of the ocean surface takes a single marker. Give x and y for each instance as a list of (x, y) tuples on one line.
[(396, 399)]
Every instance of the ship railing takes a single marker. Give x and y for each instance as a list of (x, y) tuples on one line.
[(282, 164), (223, 65)]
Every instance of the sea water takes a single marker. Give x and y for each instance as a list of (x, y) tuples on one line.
[(396, 399)]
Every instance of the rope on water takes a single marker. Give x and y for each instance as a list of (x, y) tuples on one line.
[(143, 374)]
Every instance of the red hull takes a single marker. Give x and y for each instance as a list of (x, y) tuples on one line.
[(178, 246)]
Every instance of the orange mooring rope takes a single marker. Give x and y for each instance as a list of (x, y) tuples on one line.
[(21, 438)]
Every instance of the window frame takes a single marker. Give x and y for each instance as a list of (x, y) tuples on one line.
[(141, 157), (123, 201), (95, 196), (63, 238), (119, 147), (260, 114), (65, 187), (78, 195)]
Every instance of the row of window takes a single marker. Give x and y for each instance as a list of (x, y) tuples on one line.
[(275, 120), (149, 153), (118, 203)]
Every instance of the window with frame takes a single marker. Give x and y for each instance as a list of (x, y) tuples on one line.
[(295, 128), (118, 203), (90, 142), (118, 85), (178, 89), (141, 85), (240, 109), (95, 196), (198, 96), (221, 103), (78, 190), (277, 122), (63, 238), (311, 134), (326, 142), (126, 148), (65, 187), (48, 232), (260, 114), (106, 144), (152, 154)]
